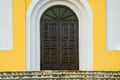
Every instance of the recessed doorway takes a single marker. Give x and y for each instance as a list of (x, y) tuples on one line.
[(59, 39)]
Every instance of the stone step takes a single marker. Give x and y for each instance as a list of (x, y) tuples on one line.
[(61, 75)]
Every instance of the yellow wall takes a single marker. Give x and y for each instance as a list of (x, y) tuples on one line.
[(27, 3), (14, 60), (103, 59)]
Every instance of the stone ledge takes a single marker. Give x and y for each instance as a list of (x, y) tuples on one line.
[(61, 75)]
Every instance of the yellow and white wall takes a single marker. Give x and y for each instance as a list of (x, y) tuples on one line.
[(106, 51), (13, 58)]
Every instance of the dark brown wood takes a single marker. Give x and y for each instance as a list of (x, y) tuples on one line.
[(59, 41)]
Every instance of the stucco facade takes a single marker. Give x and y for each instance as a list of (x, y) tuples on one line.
[(14, 56)]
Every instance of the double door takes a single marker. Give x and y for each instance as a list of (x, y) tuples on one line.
[(59, 45)]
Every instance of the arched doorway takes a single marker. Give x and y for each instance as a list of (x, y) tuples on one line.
[(33, 24), (59, 39)]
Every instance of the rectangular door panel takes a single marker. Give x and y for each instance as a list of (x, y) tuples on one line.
[(49, 52), (69, 45), (59, 46)]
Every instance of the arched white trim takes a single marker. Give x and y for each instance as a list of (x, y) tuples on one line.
[(84, 14)]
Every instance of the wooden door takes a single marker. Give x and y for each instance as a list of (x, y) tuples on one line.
[(68, 45), (59, 43)]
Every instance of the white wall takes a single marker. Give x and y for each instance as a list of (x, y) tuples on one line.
[(113, 24), (5, 24)]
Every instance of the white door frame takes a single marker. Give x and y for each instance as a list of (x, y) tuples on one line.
[(33, 16)]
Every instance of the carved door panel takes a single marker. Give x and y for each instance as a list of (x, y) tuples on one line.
[(49, 46), (59, 46), (69, 45)]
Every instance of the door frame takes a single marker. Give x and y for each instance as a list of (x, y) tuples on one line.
[(33, 16)]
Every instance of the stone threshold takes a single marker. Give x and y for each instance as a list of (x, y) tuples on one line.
[(60, 75)]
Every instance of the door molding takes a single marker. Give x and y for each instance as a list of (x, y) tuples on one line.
[(33, 16)]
